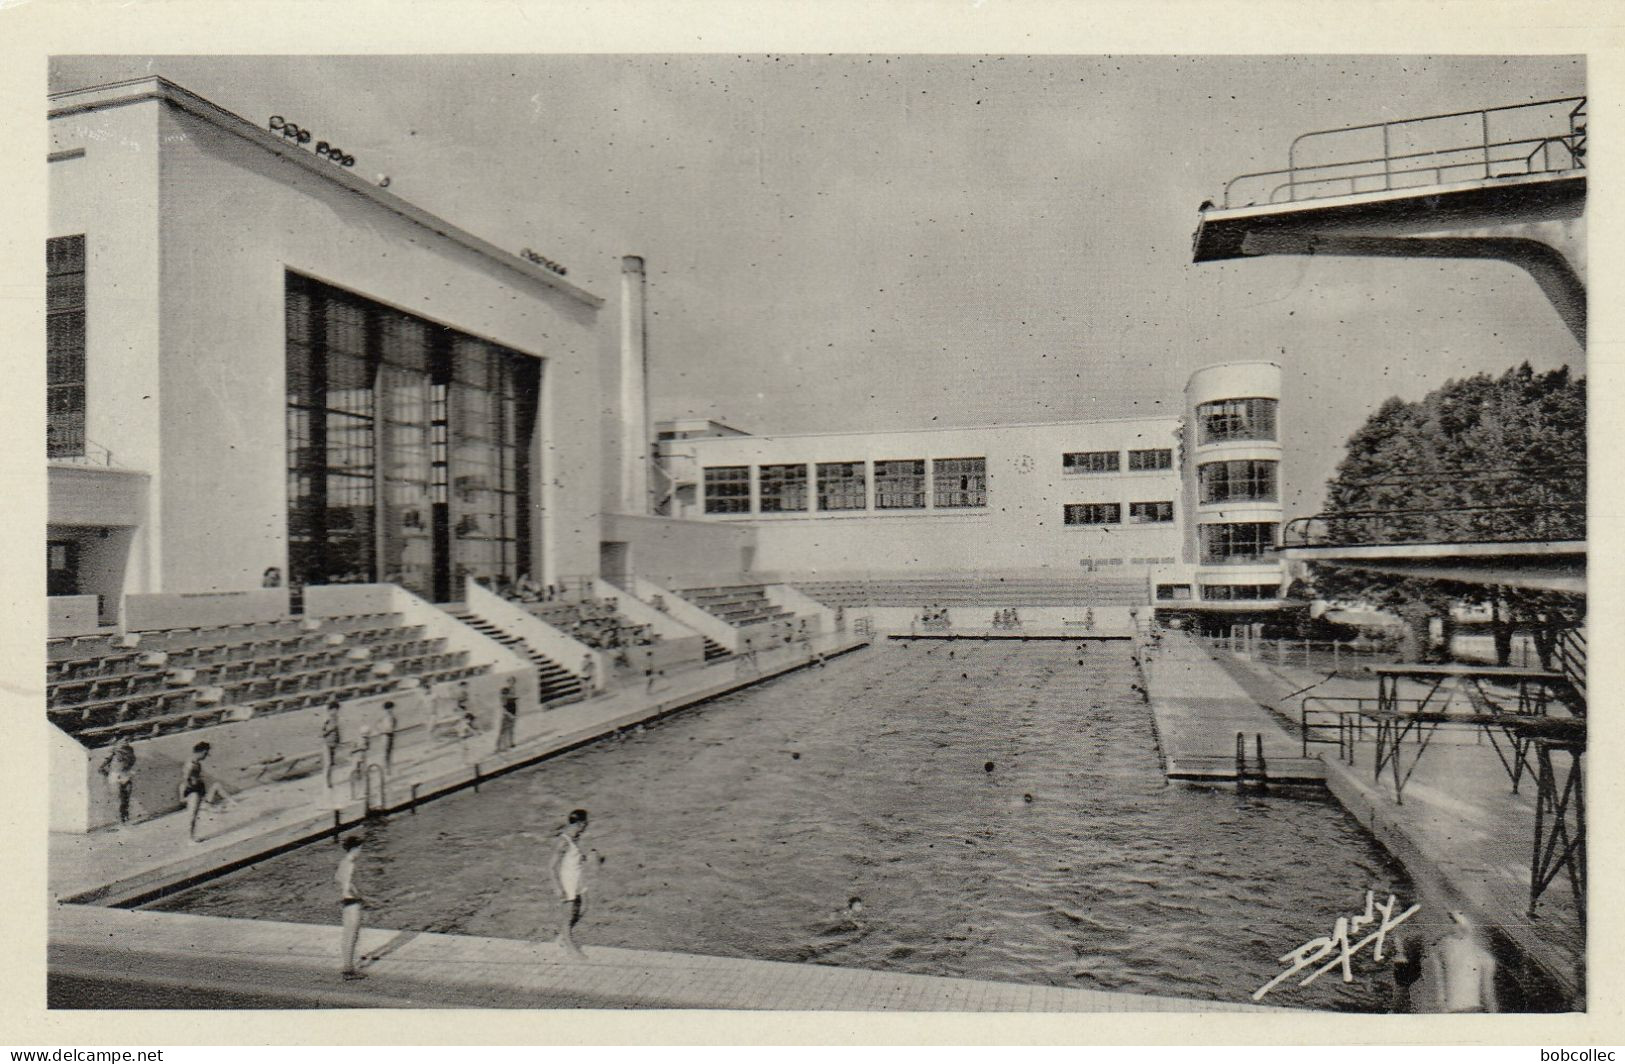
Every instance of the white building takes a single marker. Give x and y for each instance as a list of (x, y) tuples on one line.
[(259, 360), (1190, 506)]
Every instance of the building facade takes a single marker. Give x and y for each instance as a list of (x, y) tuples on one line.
[(1190, 504), (259, 361)]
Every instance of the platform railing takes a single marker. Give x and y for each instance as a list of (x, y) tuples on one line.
[(1538, 523), (1558, 145)]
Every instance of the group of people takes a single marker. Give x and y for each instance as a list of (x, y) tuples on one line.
[(567, 873), (932, 618), (525, 589), (1007, 618)]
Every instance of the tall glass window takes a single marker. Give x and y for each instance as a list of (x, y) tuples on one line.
[(959, 483), (65, 346), (1236, 419), (900, 484), (1238, 544), (727, 489), (1237, 481), (408, 447), (841, 486)]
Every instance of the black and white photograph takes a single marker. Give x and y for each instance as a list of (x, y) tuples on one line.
[(815, 532)]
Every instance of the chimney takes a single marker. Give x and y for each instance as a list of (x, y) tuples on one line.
[(634, 405)]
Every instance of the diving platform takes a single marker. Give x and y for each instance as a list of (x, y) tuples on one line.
[(1556, 566), (1497, 183)]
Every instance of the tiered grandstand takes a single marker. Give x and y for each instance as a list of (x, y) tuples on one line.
[(595, 622), (104, 687), (981, 591), (741, 605)]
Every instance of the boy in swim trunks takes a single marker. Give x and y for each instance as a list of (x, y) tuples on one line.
[(570, 879), (350, 905), (195, 788)]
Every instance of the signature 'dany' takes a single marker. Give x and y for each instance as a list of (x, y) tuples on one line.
[(1339, 945)]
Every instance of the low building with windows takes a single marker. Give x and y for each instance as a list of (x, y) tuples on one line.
[(1188, 506)]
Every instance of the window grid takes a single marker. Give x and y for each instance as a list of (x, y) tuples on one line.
[(1093, 513), (1091, 462), (379, 433), (781, 489), (1155, 458), (900, 484), (1244, 480), (65, 346), (959, 483), (1236, 419), (1239, 592), (727, 489), (1238, 544), (1147, 513), (1173, 592), (842, 486)]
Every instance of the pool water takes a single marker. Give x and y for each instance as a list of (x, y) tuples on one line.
[(744, 826)]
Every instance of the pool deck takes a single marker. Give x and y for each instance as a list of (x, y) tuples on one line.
[(1461, 834), (170, 957), (1199, 711), (147, 859)]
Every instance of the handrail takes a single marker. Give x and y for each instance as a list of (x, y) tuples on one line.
[(1485, 149), (1563, 520)]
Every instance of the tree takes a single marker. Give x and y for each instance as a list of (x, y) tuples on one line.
[(1485, 458)]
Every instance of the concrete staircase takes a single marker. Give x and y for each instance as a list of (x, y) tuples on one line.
[(554, 683)]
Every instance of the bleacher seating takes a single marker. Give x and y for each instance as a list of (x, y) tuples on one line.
[(989, 591), (741, 605), (595, 622), (105, 687)]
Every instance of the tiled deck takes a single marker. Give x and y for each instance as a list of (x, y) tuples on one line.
[(177, 956)]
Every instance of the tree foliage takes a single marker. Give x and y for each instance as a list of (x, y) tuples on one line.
[(1484, 458)]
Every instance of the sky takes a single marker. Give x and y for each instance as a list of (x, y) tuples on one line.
[(863, 242)]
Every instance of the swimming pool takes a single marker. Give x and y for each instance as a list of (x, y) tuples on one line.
[(744, 826)]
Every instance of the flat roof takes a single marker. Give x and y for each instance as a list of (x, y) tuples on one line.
[(1175, 418), (122, 93)]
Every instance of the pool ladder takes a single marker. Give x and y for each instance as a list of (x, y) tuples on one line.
[(1255, 775)]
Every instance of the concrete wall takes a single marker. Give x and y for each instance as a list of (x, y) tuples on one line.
[(1022, 526), (104, 184), (70, 615), (203, 609), (665, 549), (819, 617)]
